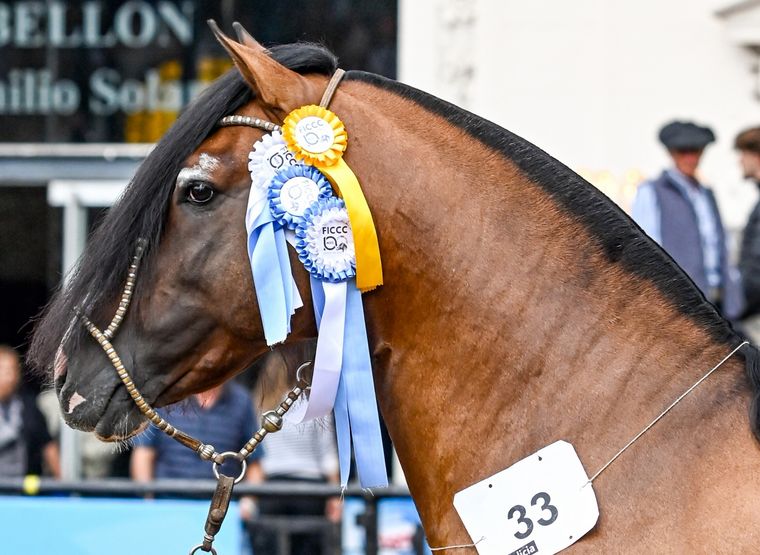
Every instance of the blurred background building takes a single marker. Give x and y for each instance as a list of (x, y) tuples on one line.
[(592, 81)]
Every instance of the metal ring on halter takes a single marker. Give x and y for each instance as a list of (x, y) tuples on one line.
[(200, 546), (235, 455), (300, 378)]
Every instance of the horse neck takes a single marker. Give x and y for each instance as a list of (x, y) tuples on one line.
[(501, 326)]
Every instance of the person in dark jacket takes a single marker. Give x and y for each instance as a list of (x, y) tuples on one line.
[(747, 143), (681, 215), (25, 442)]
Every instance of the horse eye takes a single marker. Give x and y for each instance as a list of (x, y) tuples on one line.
[(200, 192)]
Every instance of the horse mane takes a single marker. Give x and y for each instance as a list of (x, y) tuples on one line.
[(621, 240), (752, 358), (141, 211)]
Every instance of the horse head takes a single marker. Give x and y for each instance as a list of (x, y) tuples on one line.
[(194, 321)]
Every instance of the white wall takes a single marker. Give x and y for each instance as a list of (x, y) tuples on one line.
[(592, 81)]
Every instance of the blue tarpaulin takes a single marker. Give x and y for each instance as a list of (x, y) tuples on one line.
[(66, 525)]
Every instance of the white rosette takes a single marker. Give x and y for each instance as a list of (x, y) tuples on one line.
[(269, 155)]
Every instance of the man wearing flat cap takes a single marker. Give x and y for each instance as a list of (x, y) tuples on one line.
[(747, 144), (681, 214)]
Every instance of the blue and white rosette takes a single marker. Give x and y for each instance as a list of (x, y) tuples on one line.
[(270, 154), (275, 287), (293, 190), (342, 378)]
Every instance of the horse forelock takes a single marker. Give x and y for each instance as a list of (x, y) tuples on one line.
[(141, 211)]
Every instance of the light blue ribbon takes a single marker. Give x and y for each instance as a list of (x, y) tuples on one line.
[(356, 417), (272, 278)]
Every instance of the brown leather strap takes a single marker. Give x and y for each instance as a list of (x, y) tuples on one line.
[(331, 88)]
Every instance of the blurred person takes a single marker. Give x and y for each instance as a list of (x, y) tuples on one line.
[(305, 452), (747, 143), (25, 442), (681, 215), (223, 417)]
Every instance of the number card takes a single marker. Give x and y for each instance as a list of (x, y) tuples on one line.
[(541, 504)]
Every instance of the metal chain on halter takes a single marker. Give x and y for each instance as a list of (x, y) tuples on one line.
[(271, 421), (234, 120)]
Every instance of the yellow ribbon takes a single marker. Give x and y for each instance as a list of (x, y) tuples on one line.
[(320, 140)]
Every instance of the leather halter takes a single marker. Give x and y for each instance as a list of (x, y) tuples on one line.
[(258, 123)]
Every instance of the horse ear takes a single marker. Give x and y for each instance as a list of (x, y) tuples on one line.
[(244, 37), (278, 87)]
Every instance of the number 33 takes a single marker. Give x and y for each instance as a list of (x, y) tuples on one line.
[(521, 513)]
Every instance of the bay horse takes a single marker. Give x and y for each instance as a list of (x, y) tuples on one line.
[(520, 306)]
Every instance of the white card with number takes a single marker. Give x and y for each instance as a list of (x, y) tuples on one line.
[(541, 504)]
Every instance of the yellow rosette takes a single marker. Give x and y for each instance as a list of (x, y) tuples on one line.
[(316, 136)]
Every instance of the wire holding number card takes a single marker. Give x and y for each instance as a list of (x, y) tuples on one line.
[(461, 546)]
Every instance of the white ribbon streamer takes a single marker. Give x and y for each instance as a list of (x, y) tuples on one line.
[(329, 356)]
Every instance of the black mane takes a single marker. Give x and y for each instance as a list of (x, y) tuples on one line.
[(619, 237), (142, 209)]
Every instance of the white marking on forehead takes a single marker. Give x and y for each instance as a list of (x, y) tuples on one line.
[(207, 162), (200, 171), (75, 400)]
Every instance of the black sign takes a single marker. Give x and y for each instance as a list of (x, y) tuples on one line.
[(121, 70), (527, 549)]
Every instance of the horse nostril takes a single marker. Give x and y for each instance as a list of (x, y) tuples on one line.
[(59, 366)]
